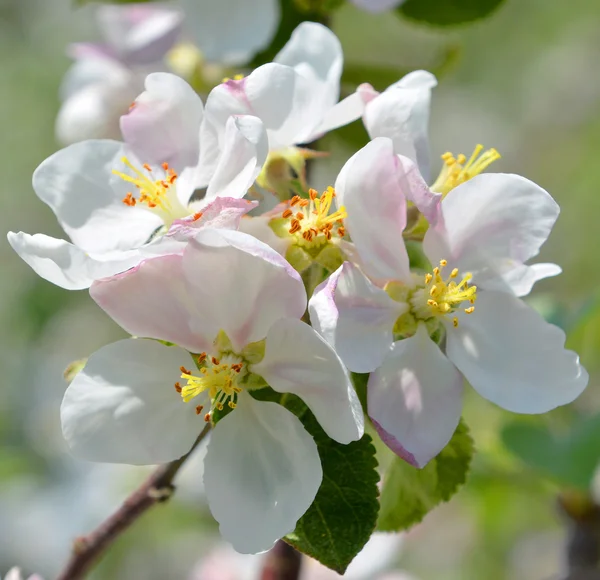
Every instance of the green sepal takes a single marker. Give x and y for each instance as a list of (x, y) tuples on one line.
[(299, 259)]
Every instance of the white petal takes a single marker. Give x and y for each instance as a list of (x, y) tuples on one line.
[(402, 114), (258, 226), (240, 285), (123, 408), (369, 187), (297, 360), (164, 123), (245, 150), (490, 225), (415, 399), (347, 110), (261, 473), (231, 31), (377, 5), (356, 317), (513, 357), (521, 278), (67, 265), (78, 185), (93, 111), (315, 52)]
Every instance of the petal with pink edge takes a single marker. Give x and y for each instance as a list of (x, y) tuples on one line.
[(369, 187), (415, 399), (356, 317)]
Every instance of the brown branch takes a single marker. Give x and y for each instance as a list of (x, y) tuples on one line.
[(157, 488), (282, 563)]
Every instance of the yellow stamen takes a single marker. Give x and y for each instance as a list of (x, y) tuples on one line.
[(313, 225), (457, 170), (442, 296)]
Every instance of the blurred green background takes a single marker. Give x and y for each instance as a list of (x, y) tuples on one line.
[(524, 81)]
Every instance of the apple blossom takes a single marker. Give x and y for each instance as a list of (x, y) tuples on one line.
[(231, 307), (106, 77), (296, 97), (488, 228), (115, 200)]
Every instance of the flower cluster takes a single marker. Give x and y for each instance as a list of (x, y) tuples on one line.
[(217, 292)]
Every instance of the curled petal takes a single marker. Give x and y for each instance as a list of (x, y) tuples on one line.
[(513, 357), (297, 360), (123, 408), (356, 317), (370, 189), (245, 150), (261, 472), (163, 124), (415, 399)]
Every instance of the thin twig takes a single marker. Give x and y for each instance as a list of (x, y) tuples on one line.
[(157, 488)]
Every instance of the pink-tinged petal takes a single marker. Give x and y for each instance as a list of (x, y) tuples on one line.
[(154, 300), (163, 125), (347, 110), (67, 265), (370, 189), (297, 360), (415, 189), (490, 225), (123, 406), (402, 114), (262, 471), (220, 213), (231, 31), (139, 34), (315, 52), (78, 185), (415, 399), (513, 357), (356, 317), (240, 285), (244, 152), (377, 5)]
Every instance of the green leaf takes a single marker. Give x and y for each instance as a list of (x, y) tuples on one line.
[(570, 458), (448, 12), (584, 337), (84, 2), (343, 515), (410, 493)]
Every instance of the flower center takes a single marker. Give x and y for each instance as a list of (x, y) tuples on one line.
[(457, 170), (158, 194), (310, 221), (441, 297), (219, 378)]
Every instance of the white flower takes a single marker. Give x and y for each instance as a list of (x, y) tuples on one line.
[(236, 304), (488, 228), (112, 198), (296, 96), (106, 78)]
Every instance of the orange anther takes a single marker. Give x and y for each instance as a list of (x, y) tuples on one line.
[(296, 199), (201, 357), (313, 194), (207, 417), (215, 360), (165, 166), (147, 167), (287, 213), (185, 371), (196, 217), (199, 409), (178, 387)]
